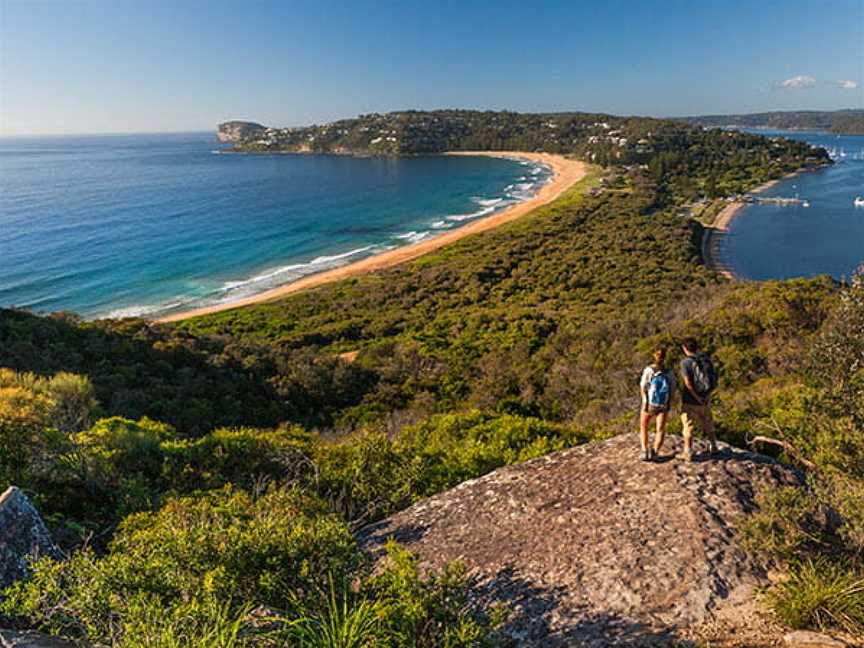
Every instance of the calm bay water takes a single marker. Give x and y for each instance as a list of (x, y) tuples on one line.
[(779, 242), (142, 224)]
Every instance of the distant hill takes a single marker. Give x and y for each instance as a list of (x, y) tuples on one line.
[(597, 138), (849, 121)]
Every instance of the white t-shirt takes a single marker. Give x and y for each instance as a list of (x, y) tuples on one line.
[(648, 373)]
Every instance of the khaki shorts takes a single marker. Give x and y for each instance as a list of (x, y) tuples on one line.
[(691, 415)]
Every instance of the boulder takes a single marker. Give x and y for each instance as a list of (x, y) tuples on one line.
[(28, 639), (593, 547), (23, 536)]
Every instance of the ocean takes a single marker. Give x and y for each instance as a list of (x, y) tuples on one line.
[(781, 242), (141, 225)]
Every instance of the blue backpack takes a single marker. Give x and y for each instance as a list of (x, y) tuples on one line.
[(659, 390)]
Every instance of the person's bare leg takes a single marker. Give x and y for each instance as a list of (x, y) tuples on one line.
[(644, 420), (708, 428), (661, 432), (687, 433)]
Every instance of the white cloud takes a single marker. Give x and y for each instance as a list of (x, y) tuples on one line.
[(798, 82), (847, 84)]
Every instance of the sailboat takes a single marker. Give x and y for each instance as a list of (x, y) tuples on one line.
[(858, 202)]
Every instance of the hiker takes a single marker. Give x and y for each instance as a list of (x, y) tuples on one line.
[(657, 386), (700, 380)]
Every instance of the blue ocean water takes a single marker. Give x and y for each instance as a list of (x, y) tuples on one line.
[(122, 225), (779, 242)]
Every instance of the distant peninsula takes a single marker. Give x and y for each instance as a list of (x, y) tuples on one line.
[(592, 137), (847, 122)]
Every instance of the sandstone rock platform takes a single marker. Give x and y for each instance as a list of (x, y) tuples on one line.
[(593, 547)]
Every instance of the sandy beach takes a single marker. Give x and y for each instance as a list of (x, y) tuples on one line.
[(566, 173), (714, 233)]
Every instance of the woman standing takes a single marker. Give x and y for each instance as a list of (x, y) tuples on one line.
[(657, 386)]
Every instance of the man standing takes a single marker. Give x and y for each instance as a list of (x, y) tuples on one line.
[(700, 380)]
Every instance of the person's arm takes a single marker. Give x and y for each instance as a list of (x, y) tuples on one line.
[(643, 390), (689, 386)]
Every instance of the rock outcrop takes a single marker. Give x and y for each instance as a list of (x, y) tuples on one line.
[(234, 131), (592, 547), (23, 536), (28, 639), (807, 639)]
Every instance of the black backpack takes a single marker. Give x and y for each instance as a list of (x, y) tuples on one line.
[(704, 375)]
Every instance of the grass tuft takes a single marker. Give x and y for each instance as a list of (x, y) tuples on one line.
[(822, 594)]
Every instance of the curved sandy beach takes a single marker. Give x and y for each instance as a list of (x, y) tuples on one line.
[(566, 173)]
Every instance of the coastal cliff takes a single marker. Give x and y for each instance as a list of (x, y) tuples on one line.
[(236, 131)]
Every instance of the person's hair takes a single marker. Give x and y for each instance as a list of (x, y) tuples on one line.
[(659, 356), (691, 345)]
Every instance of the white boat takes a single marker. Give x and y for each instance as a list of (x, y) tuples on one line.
[(805, 203), (858, 202)]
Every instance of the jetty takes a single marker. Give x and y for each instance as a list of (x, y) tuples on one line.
[(774, 200)]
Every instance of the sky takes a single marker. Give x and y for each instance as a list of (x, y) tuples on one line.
[(88, 66)]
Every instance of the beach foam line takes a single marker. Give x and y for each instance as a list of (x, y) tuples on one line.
[(294, 268), (412, 236), (232, 290), (456, 218), (144, 310), (487, 202)]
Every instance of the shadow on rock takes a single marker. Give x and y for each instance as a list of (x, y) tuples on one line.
[(535, 614), (374, 536)]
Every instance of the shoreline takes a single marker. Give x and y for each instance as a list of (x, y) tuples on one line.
[(565, 173), (715, 232)]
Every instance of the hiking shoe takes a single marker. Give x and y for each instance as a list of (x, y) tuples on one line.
[(712, 450), (646, 455)]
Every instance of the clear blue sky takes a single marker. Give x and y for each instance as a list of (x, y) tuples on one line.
[(120, 66)]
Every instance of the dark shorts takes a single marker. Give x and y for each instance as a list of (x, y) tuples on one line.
[(658, 409)]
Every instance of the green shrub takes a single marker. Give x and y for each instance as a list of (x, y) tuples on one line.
[(239, 456), (151, 624), (823, 594), (432, 612), (369, 475), (343, 624), (219, 548), (74, 401), (791, 522), (456, 447)]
